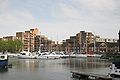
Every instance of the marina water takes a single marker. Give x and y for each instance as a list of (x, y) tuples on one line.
[(57, 69)]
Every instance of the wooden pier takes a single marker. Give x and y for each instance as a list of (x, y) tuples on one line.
[(89, 76)]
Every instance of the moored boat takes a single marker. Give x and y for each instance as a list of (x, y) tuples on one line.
[(47, 55), (26, 55), (3, 61), (94, 55), (115, 70)]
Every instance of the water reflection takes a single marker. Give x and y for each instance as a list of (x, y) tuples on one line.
[(26, 64), (58, 69), (3, 70), (86, 65)]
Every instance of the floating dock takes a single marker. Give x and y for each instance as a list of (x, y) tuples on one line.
[(89, 76)]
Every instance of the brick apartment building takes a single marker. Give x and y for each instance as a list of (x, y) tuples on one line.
[(87, 42), (28, 39)]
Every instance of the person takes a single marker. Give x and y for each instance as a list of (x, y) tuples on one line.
[(3, 52)]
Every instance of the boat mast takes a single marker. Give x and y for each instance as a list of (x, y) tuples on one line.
[(119, 41), (40, 44), (94, 44), (74, 46), (86, 46)]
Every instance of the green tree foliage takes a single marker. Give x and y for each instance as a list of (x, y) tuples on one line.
[(12, 46), (3, 45)]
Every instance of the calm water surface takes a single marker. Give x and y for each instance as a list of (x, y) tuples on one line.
[(58, 69)]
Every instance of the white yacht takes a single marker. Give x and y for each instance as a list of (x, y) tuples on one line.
[(61, 54), (94, 55), (26, 55), (81, 56), (41, 55), (47, 55), (115, 70)]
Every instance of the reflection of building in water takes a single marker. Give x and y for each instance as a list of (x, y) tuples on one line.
[(29, 65), (86, 64)]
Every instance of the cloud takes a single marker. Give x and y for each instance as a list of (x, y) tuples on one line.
[(87, 10), (60, 17), (18, 19), (96, 4), (14, 19), (4, 6), (72, 16), (68, 11)]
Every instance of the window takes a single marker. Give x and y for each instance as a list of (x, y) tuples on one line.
[(2, 57)]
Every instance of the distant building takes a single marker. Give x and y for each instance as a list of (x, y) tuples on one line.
[(28, 38), (43, 43), (1, 39), (104, 45), (87, 42), (9, 38), (20, 36)]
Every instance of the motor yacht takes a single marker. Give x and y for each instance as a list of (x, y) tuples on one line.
[(47, 55), (26, 55)]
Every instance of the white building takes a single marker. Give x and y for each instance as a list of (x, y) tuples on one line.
[(106, 40)]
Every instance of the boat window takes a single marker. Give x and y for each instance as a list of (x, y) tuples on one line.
[(39, 55), (23, 53), (44, 54), (2, 57)]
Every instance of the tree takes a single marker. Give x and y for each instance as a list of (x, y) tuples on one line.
[(12, 46), (3, 45), (18, 45)]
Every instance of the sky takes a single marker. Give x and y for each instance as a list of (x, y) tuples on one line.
[(60, 19)]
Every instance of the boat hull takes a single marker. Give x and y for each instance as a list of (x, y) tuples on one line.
[(3, 64), (26, 57)]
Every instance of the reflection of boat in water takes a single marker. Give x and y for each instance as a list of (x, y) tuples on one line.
[(115, 70), (3, 70), (3, 61), (26, 55), (27, 64)]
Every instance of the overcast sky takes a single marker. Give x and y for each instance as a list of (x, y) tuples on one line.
[(60, 19)]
